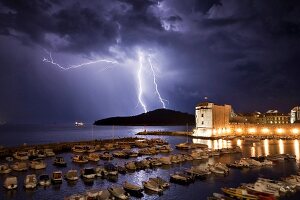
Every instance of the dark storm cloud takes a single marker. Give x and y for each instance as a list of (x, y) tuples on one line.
[(245, 53)]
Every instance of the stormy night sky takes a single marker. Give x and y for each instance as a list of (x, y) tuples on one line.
[(240, 52)]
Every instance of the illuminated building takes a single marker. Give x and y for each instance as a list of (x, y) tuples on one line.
[(212, 119), (295, 115)]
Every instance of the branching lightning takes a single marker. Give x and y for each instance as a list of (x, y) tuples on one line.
[(155, 83), (139, 74), (50, 60), (141, 58)]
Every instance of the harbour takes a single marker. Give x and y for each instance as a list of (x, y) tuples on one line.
[(213, 183)]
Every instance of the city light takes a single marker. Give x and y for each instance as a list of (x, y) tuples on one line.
[(251, 130), (280, 130), (265, 130), (239, 130), (295, 130)]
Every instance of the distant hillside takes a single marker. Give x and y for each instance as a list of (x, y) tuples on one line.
[(159, 117)]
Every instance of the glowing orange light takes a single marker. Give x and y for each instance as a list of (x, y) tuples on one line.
[(295, 130), (280, 130), (251, 130), (265, 130)]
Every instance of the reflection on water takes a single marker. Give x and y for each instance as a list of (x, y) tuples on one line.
[(281, 146), (261, 148), (266, 147), (296, 148), (253, 151), (239, 143)]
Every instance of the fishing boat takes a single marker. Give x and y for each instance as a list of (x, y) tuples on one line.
[(121, 154), (30, 181), (38, 165), (118, 192), (88, 173), (181, 178), (262, 188), (106, 156), (10, 183), (79, 149), (121, 169), (152, 186), (111, 169), (161, 182), (155, 162), (145, 163), (133, 189), (100, 171), (164, 149), (183, 146), (41, 154), (71, 175), (44, 180), (19, 166), (93, 157), (96, 194), (165, 160), (239, 193), (130, 166), (49, 152), (4, 169), (57, 177), (277, 185), (293, 180), (21, 155), (90, 148), (198, 172), (79, 159), (59, 161), (235, 164), (222, 167)]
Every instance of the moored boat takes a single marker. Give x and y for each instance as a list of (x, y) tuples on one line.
[(57, 177), (4, 169), (118, 192), (132, 189), (88, 173), (79, 159), (152, 186), (239, 193), (161, 182), (38, 165), (19, 166), (181, 178), (59, 161), (71, 175), (10, 183), (44, 180), (21, 155), (30, 181), (93, 157)]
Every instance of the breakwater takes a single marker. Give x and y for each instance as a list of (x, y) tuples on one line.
[(60, 147)]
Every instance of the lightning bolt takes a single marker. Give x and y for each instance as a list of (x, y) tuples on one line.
[(50, 60), (139, 74), (155, 83)]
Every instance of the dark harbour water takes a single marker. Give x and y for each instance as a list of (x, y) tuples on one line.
[(12, 136)]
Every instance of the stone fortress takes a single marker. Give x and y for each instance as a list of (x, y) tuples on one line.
[(220, 120)]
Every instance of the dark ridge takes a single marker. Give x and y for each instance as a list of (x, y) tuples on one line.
[(159, 117)]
